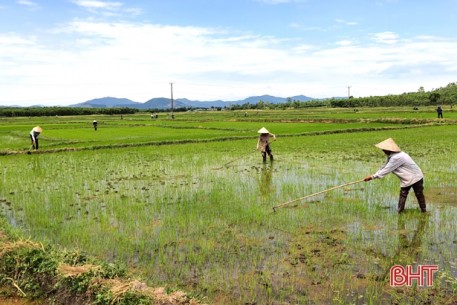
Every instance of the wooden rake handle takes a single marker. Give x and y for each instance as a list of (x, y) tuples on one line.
[(314, 194), (244, 155)]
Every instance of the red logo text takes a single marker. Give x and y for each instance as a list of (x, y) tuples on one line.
[(423, 275)]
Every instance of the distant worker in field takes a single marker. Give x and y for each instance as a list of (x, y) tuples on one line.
[(439, 110), (34, 134), (402, 165), (264, 143), (95, 125)]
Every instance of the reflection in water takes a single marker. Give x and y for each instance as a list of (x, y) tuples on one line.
[(15, 217), (265, 181), (409, 251)]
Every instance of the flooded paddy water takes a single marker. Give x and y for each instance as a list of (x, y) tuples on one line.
[(187, 216)]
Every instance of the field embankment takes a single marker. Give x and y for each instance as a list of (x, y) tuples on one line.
[(32, 274), (187, 203)]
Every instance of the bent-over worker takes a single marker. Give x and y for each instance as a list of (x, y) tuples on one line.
[(402, 165), (36, 131)]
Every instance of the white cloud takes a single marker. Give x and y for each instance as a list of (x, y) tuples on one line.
[(308, 28), (345, 22), (10, 39), (134, 11), (344, 43), (107, 8), (303, 48), (138, 61), (28, 3), (298, 26), (385, 37), (94, 4)]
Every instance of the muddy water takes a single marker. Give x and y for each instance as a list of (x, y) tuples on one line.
[(353, 233)]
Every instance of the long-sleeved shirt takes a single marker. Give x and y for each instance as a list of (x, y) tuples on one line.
[(264, 140), (34, 134), (403, 166)]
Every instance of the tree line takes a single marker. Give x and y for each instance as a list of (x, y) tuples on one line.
[(62, 111), (441, 96)]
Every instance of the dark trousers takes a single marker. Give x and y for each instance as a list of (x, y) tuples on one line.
[(267, 151), (418, 188), (36, 142)]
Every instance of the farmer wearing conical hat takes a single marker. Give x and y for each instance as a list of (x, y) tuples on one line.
[(264, 143), (34, 136), (402, 165)]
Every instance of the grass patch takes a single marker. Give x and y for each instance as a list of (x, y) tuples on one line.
[(33, 271)]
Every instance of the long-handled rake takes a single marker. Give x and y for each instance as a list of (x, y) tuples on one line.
[(311, 195), (235, 160)]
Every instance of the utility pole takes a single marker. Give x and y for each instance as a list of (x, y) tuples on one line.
[(349, 91), (172, 115)]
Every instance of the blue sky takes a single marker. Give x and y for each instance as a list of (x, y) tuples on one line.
[(69, 51)]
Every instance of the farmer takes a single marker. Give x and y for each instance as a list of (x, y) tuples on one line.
[(264, 143), (95, 125), (403, 166), (34, 136), (439, 110)]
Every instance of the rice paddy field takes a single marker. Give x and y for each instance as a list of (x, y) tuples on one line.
[(187, 203)]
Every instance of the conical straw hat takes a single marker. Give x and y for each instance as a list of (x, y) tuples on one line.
[(389, 145), (263, 130), (37, 129)]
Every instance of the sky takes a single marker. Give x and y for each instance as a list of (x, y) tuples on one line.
[(63, 52)]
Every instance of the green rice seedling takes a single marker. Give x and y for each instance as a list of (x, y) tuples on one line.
[(164, 211)]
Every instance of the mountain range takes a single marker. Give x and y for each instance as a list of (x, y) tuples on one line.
[(165, 103)]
